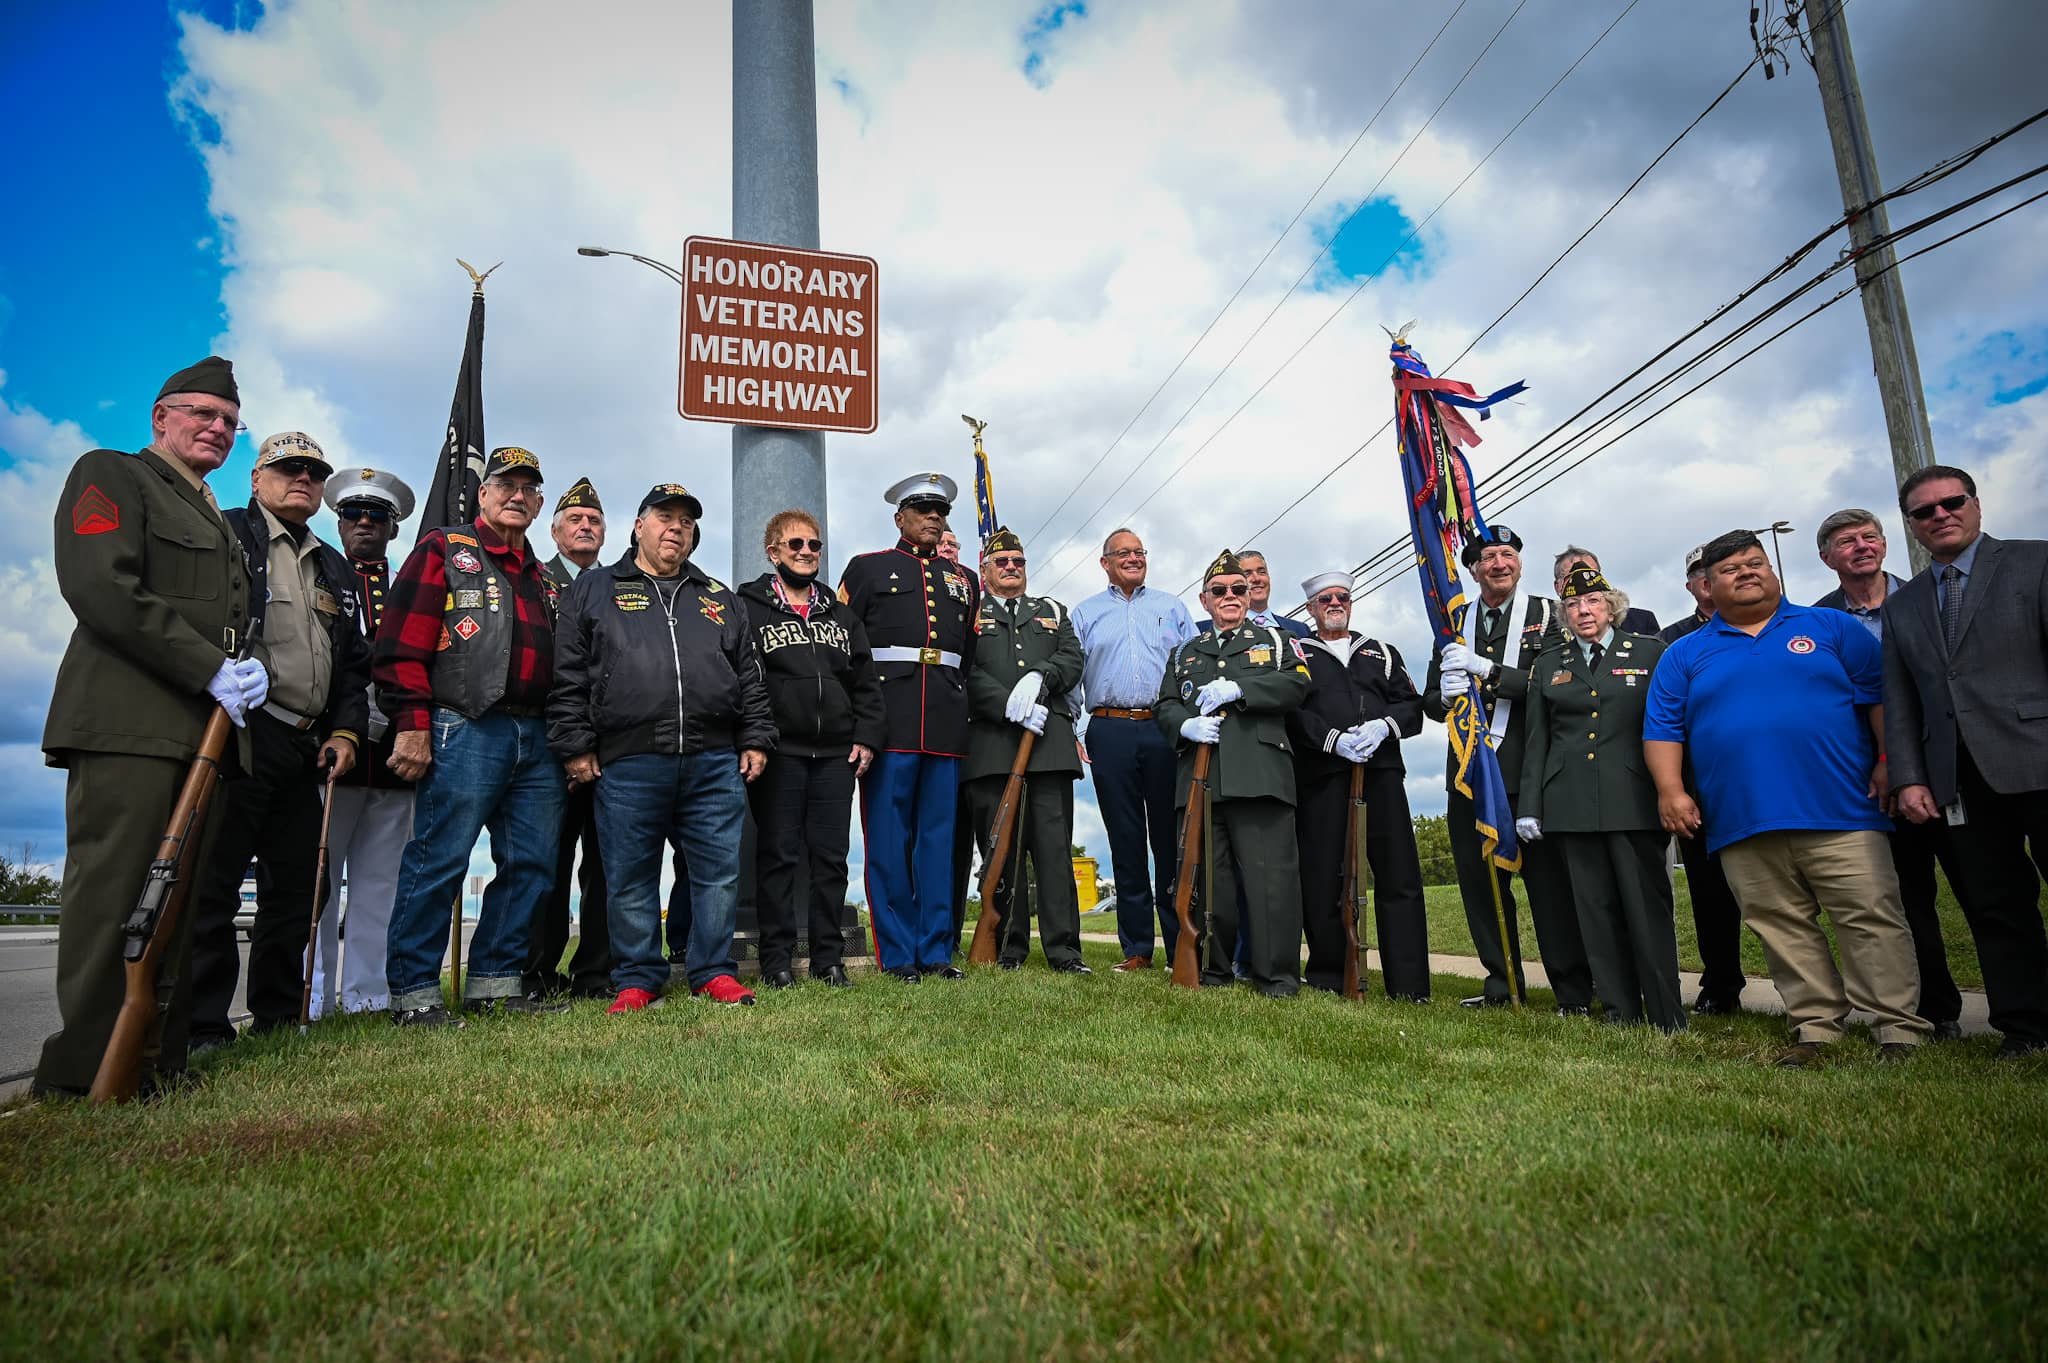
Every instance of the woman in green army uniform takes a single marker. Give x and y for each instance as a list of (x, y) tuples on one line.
[(1585, 784)]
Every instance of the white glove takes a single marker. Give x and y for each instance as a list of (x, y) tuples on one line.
[(1202, 728), (1217, 694), (1035, 718), (1371, 734), (1352, 747), (226, 687), (1452, 683), (1023, 696), (1465, 660), (1529, 830), (254, 680)]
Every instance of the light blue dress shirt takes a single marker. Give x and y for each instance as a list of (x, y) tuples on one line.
[(1127, 641)]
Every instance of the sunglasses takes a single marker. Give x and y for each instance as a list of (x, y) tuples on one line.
[(1334, 599), (1223, 589), (292, 468), (1951, 505), (1007, 561), (363, 511), (796, 544)]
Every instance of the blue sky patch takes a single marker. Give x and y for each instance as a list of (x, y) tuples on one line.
[(1363, 241), (2004, 368), (1039, 34)]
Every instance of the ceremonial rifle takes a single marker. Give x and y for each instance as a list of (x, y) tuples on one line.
[(1186, 972), (982, 950), (1349, 900), (153, 923)]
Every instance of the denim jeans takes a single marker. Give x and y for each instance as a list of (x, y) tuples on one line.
[(645, 803), (493, 772)]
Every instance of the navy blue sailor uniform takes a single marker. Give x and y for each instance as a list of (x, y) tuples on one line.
[(918, 611)]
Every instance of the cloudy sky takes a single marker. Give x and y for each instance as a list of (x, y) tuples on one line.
[(1061, 197)]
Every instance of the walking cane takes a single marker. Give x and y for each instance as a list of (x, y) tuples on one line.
[(982, 950), (319, 901), (1347, 888)]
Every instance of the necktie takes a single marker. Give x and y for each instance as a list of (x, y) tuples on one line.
[(1492, 621), (1951, 604), (1593, 658)]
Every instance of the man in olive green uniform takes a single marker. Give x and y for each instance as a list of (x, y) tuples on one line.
[(1027, 661), (1232, 688), (157, 584), (1585, 790)]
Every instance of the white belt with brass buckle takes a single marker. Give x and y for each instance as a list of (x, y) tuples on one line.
[(291, 717), (930, 657)]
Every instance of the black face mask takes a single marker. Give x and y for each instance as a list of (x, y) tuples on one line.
[(793, 578)]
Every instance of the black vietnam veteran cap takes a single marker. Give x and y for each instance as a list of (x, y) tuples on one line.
[(506, 458), (661, 494), (212, 376)]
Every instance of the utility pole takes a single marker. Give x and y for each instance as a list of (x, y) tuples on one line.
[(1884, 294), (774, 200)]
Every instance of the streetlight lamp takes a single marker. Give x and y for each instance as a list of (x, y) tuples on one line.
[(671, 271)]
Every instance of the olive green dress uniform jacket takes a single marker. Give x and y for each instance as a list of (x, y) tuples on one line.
[(1254, 756), (1582, 754), (1030, 634)]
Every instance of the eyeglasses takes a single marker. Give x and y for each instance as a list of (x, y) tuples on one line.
[(1007, 561), (515, 487), (797, 544), (1334, 599), (292, 468), (206, 416), (1127, 553), (1223, 589), (363, 511), (1925, 512)]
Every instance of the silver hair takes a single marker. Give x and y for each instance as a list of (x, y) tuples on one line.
[(1571, 552), (1120, 530), (1842, 520), (555, 523)]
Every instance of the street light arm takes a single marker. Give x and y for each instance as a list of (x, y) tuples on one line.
[(671, 271)]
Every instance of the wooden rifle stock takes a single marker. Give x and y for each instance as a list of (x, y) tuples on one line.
[(1347, 888), (1187, 971), (982, 950), (154, 922)]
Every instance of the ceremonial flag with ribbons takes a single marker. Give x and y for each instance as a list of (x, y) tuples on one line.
[(452, 499), (985, 522), (1443, 516)]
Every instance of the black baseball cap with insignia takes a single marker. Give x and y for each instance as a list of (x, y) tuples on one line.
[(508, 458), (661, 494)]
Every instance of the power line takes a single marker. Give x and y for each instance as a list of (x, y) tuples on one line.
[(1261, 264)]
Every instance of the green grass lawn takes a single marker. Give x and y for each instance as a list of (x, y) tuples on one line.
[(1033, 1166), (1448, 933)]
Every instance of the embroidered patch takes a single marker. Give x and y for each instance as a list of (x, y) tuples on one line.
[(467, 600), (1300, 653), (711, 609), (467, 627), (466, 561), (454, 538), (442, 644), (1259, 656), (1799, 643), (956, 586), (94, 513), (630, 599)]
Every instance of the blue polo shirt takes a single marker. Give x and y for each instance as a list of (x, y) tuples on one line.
[(1771, 724)]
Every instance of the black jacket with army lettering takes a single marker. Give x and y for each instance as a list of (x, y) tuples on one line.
[(640, 671), (821, 678)]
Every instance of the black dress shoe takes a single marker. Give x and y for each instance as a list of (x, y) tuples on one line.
[(1484, 1001), (1071, 968), (430, 1015), (1708, 1005), (1010, 965), (779, 979), (1581, 1012), (951, 972), (509, 1004), (1950, 1030), (834, 975), (2020, 1048), (907, 976)]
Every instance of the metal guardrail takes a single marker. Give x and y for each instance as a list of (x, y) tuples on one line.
[(244, 920)]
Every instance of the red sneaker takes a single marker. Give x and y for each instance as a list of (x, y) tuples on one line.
[(633, 1000), (725, 989)]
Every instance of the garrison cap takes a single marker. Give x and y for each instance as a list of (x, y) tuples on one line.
[(1495, 534), (212, 376), (369, 485), (506, 458), (275, 449), (923, 487), (1003, 541), (1225, 564), (580, 493), (1584, 582), (661, 494), (1322, 582)]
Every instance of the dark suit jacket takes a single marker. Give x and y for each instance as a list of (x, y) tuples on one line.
[(1991, 695), (1542, 627)]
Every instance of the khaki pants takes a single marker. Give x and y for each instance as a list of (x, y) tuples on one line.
[(1783, 880)]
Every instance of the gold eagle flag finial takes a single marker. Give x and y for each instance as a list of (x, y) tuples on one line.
[(1399, 336), (474, 278), (976, 426)]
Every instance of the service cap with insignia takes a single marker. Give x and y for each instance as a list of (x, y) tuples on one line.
[(580, 493), (212, 376), (1584, 582), (1322, 582), (1495, 534), (275, 449), (369, 485), (506, 458), (923, 487), (1003, 541), (661, 494), (1223, 565)]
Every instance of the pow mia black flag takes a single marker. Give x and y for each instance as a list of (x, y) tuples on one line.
[(452, 499)]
